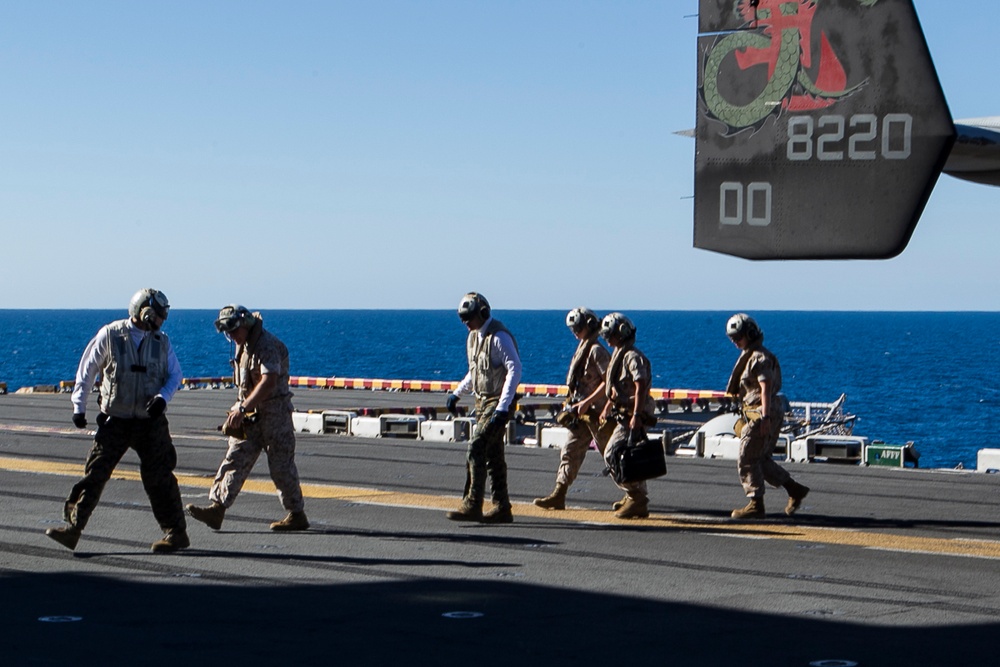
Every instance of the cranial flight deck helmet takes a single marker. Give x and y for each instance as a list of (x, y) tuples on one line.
[(232, 317), (579, 318), (147, 303), (740, 325), (473, 304), (616, 324)]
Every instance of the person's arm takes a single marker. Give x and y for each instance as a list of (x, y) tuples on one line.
[(585, 404), (639, 404), (465, 386), (504, 345), (765, 406), (90, 365), (260, 393), (174, 376)]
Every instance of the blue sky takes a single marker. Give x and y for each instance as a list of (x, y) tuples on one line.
[(397, 154)]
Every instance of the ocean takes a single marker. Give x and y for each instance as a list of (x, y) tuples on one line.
[(930, 378)]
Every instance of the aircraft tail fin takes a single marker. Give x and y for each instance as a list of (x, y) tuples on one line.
[(821, 128)]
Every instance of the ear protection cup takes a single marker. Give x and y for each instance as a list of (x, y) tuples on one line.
[(148, 304)]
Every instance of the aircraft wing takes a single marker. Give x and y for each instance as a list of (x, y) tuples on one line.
[(976, 153), (821, 128)]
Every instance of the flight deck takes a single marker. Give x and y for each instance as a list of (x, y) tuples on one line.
[(880, 567)]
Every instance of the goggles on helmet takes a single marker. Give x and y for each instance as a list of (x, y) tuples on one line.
[(231, 318)]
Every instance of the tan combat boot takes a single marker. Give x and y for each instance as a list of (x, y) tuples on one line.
[(796, 492), (466, 512), (499, 514), (753, 510), (211, 516), (621, 503), (67, 536), (294, 521), (174, 540), (555, 500), (634, 508)]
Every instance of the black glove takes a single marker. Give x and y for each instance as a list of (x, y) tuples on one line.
[(451, 404), (156, 406), (498, 421), (79, 420)]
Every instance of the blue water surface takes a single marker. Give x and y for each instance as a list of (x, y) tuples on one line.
[(926, 377)]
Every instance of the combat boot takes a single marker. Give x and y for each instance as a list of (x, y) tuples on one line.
[(633, 508), (294, 521), (555, 500), (69, 512), (466, 512), (174, 540), (67, 536), (753, 510), (796, 492), (211, 516), (621, 503), (499, 514)]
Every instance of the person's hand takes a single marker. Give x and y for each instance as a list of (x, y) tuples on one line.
[(234, 420), (156, 406), (451, 404), (498, 421), (79, 420)]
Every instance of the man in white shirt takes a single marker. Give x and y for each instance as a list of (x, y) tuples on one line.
[(139, 375), (493, 377)]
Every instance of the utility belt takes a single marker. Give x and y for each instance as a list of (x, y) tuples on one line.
[(570, 418), (748, 417), (623, 415)]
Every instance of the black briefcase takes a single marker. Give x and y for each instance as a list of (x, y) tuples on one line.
[(637, 461)]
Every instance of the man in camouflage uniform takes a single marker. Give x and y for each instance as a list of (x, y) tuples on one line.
[(260, 420), (626, 386), (139, 375), (756, 380), (494, 373), (584, 380)]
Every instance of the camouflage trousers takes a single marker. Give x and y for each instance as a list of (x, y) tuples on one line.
[(634, 490), (150, 438), (575, 450), (485, 457), (755, 463), (274, 435)]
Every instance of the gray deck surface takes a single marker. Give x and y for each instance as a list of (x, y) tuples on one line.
[(881, 567)]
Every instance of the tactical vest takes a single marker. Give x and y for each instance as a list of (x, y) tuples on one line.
[(619, 385), (131, 377), (581, 380), (487, 379)]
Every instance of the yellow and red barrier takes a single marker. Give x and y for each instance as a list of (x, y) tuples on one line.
[(675, 396)]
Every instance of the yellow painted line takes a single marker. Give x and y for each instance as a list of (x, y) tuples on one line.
[(751, 529)]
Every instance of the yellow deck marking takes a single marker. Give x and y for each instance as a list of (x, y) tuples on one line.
[(757, 529)]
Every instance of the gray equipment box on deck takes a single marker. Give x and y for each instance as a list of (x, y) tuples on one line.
[(833, 448), (454, 430)]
